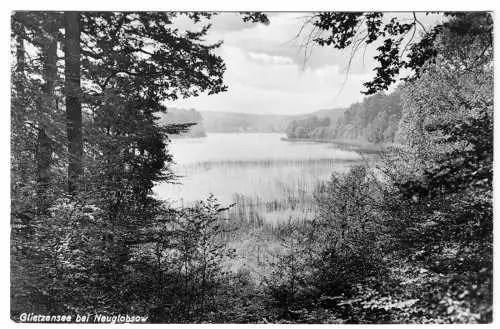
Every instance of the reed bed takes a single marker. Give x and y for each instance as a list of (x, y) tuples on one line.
[(264, 163)]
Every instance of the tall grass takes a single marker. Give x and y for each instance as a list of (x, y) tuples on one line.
[(264, 163), (257, 211)]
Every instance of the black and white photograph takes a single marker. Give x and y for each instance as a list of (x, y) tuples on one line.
[(251, 167)]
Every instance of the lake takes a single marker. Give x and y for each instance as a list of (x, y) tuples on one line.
[(269, 179)]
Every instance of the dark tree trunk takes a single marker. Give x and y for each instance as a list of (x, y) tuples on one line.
[(48, 106), (20, 54), (50, 59), (43, 161), (73, 101)]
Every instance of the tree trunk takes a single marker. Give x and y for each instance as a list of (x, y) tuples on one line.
[(48, 106), (20, 54), (73, 101)]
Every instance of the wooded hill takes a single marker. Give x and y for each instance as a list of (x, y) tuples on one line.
[(374, 120)]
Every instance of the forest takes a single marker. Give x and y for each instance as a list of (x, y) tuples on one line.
[(374, 120), (407, 240)]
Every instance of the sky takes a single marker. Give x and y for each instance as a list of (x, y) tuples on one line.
[(269, 72)]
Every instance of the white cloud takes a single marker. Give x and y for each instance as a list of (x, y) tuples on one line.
[(327, 70), (263, 83), (270, 59)]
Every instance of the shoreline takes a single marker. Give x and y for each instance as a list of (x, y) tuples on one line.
[(344, 144)]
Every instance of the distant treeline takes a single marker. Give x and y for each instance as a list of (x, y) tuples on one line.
[(226, 122), (310, 127), (374, 120)]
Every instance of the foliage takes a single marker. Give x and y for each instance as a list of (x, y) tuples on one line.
[(397, 48), (446, 209), (310, 127), (74, 254), (66, 257), (375, 120), (183, 263), (326, 258), (255, 17)]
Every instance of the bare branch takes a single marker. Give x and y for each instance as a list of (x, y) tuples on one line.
[(409, 41), (421, 25)]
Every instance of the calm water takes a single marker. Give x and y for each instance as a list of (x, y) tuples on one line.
[(253, 168)]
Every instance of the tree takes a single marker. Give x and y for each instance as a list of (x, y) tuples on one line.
[(399, 49), (119, 70), (40, 30), (431, 207), (73, 99), (447, 124), (306, 128)]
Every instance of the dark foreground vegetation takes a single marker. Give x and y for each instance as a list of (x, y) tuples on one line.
[(407, 241)]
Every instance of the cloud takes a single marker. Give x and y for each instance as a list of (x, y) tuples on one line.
[(327, 70), (270, 59), (262, 83), (267, 71), (282, 38)]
